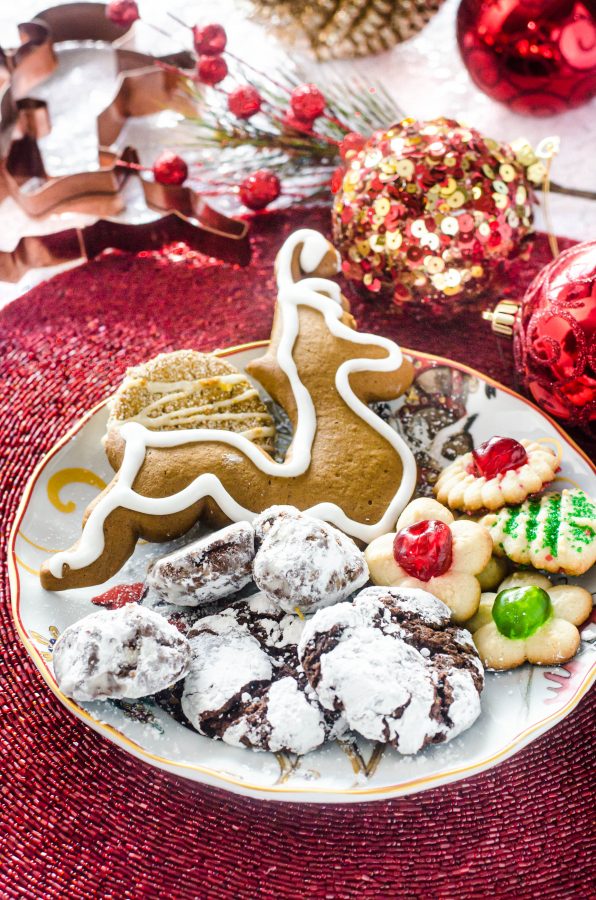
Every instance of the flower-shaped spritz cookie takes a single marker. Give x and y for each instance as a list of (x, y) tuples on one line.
[(556, 532), (529, 619), (433, 552), (499, 471)]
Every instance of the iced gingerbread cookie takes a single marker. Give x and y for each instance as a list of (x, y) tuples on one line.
[(187, 389), (207, 570), (394, 666), (127, 652), (499, 471), (430, 550), (529, 619), (245, 685), (304, 564), (556, 532), (345, 465)]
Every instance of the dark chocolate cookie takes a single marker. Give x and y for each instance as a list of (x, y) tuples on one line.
[(391, 663), (304, 563), (245, 685), (127, 652)]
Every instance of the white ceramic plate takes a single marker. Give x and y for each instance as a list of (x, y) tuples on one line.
[(449, 407)]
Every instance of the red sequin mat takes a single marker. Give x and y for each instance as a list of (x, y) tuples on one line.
[(78, 817)]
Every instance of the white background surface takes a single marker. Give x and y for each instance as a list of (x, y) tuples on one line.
[(425, 76)]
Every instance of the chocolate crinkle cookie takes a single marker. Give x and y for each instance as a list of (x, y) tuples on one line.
[(129, 652), (394, 667), (245, 685), (304, 563), (207, 570)]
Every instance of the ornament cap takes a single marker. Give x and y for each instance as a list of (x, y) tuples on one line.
[(502, 317)]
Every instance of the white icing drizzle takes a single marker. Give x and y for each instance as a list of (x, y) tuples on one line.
[(319, 294)]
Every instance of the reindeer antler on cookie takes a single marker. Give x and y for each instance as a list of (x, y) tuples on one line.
[(344, 464)]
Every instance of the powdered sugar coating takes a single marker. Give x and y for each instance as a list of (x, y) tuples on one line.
[(128, 652), (394, 667), (245, 685), (305, 563), (214, 567)]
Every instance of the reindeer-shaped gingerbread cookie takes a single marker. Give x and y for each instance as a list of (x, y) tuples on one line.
[(344, 464)]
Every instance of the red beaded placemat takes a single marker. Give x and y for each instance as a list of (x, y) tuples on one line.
[(78, 817)]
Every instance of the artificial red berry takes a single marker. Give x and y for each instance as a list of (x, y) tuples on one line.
[(209, 40), (290, 121), (120, 595), (169, 168), (211, 69), (244, 101), (260, 189), (122, 12), (337, 179), (424, 550), (496, 456), (352, 143), (307, 102)]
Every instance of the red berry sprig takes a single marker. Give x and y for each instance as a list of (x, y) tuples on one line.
[(211, 69), (307, 103), (260, 189), (209, 40), (122, 12), (170, 169), (244, 101)]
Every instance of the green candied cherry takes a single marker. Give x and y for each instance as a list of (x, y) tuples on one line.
[(520, 611)]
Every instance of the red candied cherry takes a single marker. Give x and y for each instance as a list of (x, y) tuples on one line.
[(352, 143), (120, 595), (424, 550), (496, 456), (244, 101), (209, 40), (122, 12), (211, 69), (260, 189), (169, 168), (307, 102)]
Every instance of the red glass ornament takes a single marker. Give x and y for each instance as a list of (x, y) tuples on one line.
[(120, 595), (537, 57), (555, 336), (209, 40), (351, 143), (169, 168), (497, 456), (211, 69), (244, 101), (260, 189), (122, 12), (307, 102), (424, 550)]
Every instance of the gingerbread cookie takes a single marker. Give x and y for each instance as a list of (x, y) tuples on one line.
[(245, 685), (395, 668), (434, 552), (305, 564), (207, 570), (187, 389), (127, 652), (529, 619), (345, 464), (556, 532), (499, 471)]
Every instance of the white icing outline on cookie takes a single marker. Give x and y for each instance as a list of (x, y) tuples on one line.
[(319, 294)]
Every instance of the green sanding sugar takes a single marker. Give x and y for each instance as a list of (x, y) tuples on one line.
[(581, 508), (512, 522), (532, 522), (552, 523)]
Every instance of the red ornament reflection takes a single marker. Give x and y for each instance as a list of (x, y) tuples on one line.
[(537, 57), (555, 336)]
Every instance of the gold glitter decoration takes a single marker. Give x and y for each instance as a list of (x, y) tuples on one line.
[(433, 209), (345, 29)]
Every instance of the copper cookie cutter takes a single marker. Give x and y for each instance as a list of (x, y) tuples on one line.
[(143, 88)]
